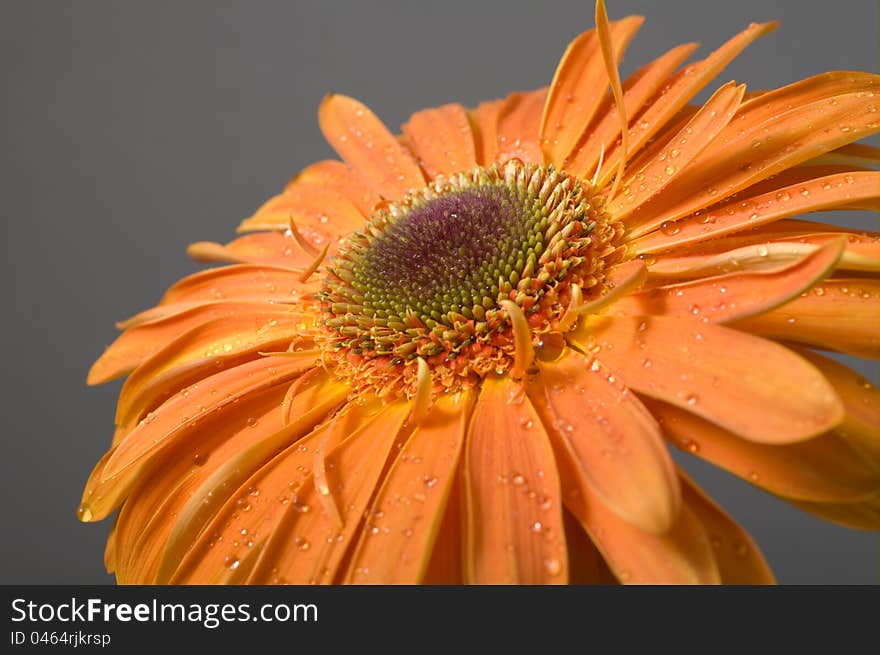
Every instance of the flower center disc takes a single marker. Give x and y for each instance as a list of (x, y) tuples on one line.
[(426, 276)]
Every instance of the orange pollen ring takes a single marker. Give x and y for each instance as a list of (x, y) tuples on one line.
[(430, 276)]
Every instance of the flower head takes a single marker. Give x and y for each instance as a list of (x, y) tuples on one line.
[(459, 354)]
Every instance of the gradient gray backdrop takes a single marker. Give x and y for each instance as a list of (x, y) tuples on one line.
[(133, 129)]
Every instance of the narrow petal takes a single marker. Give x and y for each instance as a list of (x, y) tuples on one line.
[(367, 146), (584, 560), (823, 469), (740, 561), (513, 529), (318, 543), (445, 567), (726, 298), (518, 121), (751, 386), (770, 248), (265, 248), (573, 99), (683, 555), (684, 86), (638, 88), (315, 209), (200, 352), (246, 521), (839, 314), (237, 281), (614, 442), (110, 550), (186, 416), (442, 140), (340, 179), (861, 401), (484, 123), (395, 546), (765, 139), (146, 339), (862, 515), (853, 154), (147, 516), (650, 179), (824, 193), (229, 468)]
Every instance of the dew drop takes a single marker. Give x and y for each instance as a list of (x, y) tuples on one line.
[(553, 566), (669, 228)]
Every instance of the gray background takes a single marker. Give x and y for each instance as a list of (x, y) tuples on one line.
[(133, 129)]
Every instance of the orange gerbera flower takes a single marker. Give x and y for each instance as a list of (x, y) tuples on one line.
[(457, 355)]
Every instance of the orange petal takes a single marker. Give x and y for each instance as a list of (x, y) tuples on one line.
[(484, 123), (341, 179), (839, 314), (862, 515), (445, 567), (751, 386), (266, 248), (573, 99), (584, 560), (185, 417), (308, 546), (833, 191), (725, 298), (237, 281), (246, 521), (320, 213), (613, 441), (861, 401), (110, 550), (770, 248), (684, 86), (681, 556), (146, 339), (822, 469), (650, 179), (513, 530), (764, 139), (740, 561), (853, 154), (442, 140), (518, 121), (367, 146), (235, 463), (147, 516), (638, 88), (396, 544), (204, 350)]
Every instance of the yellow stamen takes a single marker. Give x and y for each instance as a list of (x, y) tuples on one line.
[(607, 47), (422, 397), (524, 352)]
